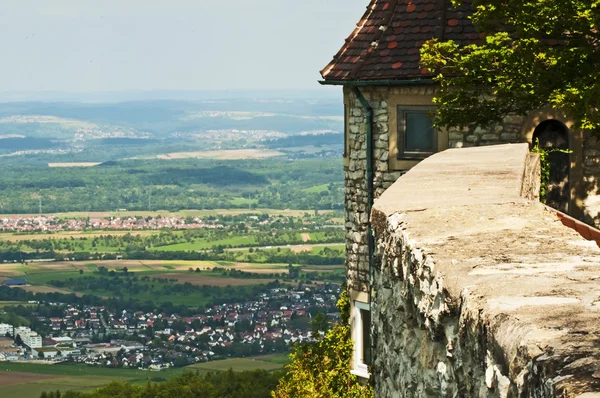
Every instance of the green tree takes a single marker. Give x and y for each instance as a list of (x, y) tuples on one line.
[(533, 53), (322, 368)]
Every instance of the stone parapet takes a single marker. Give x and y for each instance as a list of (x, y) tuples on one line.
[(480, 291), (387, 168)]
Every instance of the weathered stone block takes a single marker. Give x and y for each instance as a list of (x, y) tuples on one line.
[(509, 136), (489, 137)]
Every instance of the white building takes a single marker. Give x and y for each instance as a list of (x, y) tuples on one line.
[(47, 352), (5, 328), (30, 338)]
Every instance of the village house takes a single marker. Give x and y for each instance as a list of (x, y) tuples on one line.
[(388, 102)]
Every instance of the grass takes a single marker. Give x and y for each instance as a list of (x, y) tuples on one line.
[(11, 303), (243, 201), (43, 278), (237, 364), (317, 188), (230, 154), (182, 213), (319, 249), (282, 359), (87, 378), (232, 241), (83, 370), (92, 267), (73, 383), (74, 164), (150, 290), (76, 378)]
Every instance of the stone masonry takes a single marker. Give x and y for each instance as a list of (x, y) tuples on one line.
[(479, 290), (356, 218)]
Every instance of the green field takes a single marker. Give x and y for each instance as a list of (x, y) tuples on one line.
[(282, 359), (243, 201), (320, 249), (87, 378), (149, 290), (237, 364), (233, 241), (317, 188), (83, 370), (42, 278), (74, 377), (182, 213), (74, 383), (10, 303)]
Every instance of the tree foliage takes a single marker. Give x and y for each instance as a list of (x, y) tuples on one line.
[(252, 384), (322, 369), (532, 53)]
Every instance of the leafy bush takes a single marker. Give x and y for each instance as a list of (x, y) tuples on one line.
[(254, 384), (322, 369)]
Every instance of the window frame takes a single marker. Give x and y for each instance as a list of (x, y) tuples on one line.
[(359, 368), (403, 153)]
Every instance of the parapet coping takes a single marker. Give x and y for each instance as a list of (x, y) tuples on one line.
[(512, 257)]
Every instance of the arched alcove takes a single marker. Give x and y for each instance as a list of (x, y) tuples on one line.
[(549, 135)]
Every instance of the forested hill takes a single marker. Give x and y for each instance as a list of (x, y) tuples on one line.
[(174, 185)]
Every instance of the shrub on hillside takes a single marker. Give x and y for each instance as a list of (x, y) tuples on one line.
[(322, 369), (254, 384)]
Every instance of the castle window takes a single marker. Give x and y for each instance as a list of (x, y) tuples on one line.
[(361, 336), (417, 139)]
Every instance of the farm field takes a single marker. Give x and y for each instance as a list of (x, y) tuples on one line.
[(33, 379), (232, 154), (39, 274), (26, 380), (36, 270), (201, 280), (237, 364), (308, 247), (10, 303), (282, 359), (8, 378), (47, 289), (204, 244), (74, 164), (317, 188), (33, 388), (83, 370), (182, 213), (70, 234), (158, 282)]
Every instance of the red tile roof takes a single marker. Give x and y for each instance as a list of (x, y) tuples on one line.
[(387, 39)]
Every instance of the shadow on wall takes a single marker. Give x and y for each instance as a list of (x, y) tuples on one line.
[(553, 136)]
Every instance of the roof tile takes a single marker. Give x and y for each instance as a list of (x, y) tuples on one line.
[(407, 25)]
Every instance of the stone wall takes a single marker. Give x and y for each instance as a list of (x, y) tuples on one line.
[(356, 217), (507, 132), (478, 291), (591, 178)]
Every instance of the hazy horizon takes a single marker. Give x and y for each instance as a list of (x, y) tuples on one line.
[(81, 47), (167, 95)]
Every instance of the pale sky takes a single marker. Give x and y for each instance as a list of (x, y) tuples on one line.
[(115, 45)]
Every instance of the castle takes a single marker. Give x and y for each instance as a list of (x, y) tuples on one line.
[(413, 192)]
